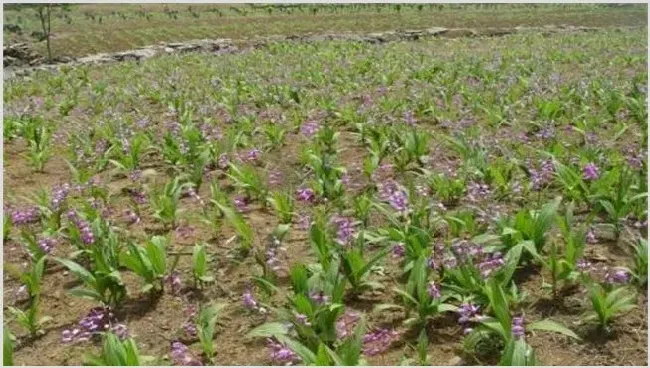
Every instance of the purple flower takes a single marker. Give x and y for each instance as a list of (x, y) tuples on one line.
[(131, 217), (431, 262), (120, 330), (98, 319), (302, 319), (399, 200), (240, 203), (635, 160), (491, 263), (590, 172), (275, 177), (25, 216), (173, 279), (386, 190), (47, 244), (249, 301), (306, 195), (345, 230), (433, 290), (319, 297), (135, 175), (378, 341), (303, 221), (477, 191), (139, 196), (464, 250), (409, 119), (618, 277), (309, 128), (346, 323), (398, 250), (253, 155), (518, 327), (450, 262), (542, 177), (181, 355), (468, 313), (583, 265), (280, 354), (272, 259), (546, 133), (590, 237), (223, 161), (86, 233), (59, 195)]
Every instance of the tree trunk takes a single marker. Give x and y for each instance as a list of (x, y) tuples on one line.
[(49, 31), (46, 27)]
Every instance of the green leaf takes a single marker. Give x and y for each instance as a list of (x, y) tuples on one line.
[(206, 279), (88, 294), (270, 329), (383, 307), (78, 270), (322, 358), (307, 356), (199, 261), (552, 326), (7, 348), (335, 357)]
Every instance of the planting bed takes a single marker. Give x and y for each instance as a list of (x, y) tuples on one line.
[(435, 202)]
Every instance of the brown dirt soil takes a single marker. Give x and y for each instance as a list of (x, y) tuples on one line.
[(155, 324)]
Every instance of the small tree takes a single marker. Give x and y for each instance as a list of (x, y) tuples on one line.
[(44, 11)]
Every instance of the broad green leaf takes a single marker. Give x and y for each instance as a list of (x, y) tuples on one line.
[(269, 329), (552, 326)]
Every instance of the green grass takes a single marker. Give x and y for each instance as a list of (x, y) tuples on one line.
[(78, 31)]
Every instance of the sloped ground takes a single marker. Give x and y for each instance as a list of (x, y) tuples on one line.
[(496, 93)]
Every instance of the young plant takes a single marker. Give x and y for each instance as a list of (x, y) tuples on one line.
[(148, 262), (7, 347), (242, 228), (327, 183), (421, 296), (102, 279), (205, 327), (275, 135), (315, 338), (116, 352), (416, 146), (356, 269), (608, 302), (362, 207), (282, 204), (530, 226), (447, 189), (200, 266), (165, 202), (7, 224), (640, 270), (39, 139), (32, 280), (128, 158), (510, 330), (247, 179), (563, 267), (619, 204), (421, 349)]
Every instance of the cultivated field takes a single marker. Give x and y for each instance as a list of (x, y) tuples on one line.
[(465, 201), (79, 30)]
